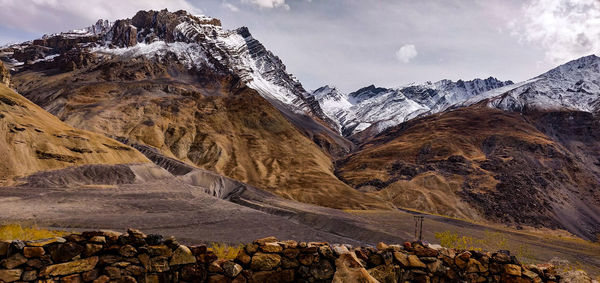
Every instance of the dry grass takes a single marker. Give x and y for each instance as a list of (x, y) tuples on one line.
[(225, 251), (11, 232), (491, 241)]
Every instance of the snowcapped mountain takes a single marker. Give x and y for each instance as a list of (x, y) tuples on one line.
[(384, 108), (197, 41), (574, 86)]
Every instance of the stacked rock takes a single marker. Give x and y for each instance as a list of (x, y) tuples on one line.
[(104, 256)]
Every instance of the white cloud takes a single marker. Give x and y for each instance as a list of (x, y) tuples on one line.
[(269, 4), (566, 29), (231, 7), (406, 53), (44, 16)]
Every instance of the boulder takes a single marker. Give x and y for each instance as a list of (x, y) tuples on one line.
[(243, 258), (291, 253), (462, 260), (90, 275), (66, 252), (45, 242), (475, 266), (91, 249), (326, 252), (4, 248), (215, 266), (306, 259), (98, 239), (10, 275), (264, 241), (77, 266), (32, 252), (251, 248), (75, 278), (193, 273), (382, 246), (289, 263), (160, 250), (127, 251), (386, 273), (415, 262), (231, 269), (263, 262), (271, 248), (29, 275), (402, 258), (14, 261), (512, 269), (182, 255), (349, 269), (273, 276), (113, 272), (105, 279), (322, 270)]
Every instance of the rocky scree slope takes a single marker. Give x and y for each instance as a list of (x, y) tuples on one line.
[(180, 99)]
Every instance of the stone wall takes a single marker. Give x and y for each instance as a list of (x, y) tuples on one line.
[(136, 257)]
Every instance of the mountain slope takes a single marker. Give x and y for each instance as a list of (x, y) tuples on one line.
[(33, 140), (197, 42), (482, 163), (189, 106), (523, 154)]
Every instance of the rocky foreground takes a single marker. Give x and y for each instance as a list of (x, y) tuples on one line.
[(106, 256)]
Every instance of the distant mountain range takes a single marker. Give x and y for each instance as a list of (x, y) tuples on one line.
[(189, 94)]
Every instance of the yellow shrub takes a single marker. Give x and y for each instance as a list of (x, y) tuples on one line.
[(224, 251), (491, 241), (454, 241), (17, 232)]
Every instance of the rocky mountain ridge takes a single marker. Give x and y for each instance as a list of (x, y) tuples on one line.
[(381, 108), (199, 41)]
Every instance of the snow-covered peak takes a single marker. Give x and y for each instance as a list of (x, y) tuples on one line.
[(584, 67), (101, 27), (197, 41), (571, 86), (366, 93), (387, 107)]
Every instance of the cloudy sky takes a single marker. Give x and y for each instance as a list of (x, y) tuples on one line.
[(354, 43)]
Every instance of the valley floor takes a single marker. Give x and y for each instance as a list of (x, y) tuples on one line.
[(195, 217), (530, 247)]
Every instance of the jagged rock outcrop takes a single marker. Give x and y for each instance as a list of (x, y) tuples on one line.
[(4, 75), (123, 34)]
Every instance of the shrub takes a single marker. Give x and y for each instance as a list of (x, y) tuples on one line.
[(491, 241), (225, 251), (11, 232)]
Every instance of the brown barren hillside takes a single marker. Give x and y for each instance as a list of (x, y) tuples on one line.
[(204, 118), (33, 140), (482, 163)]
